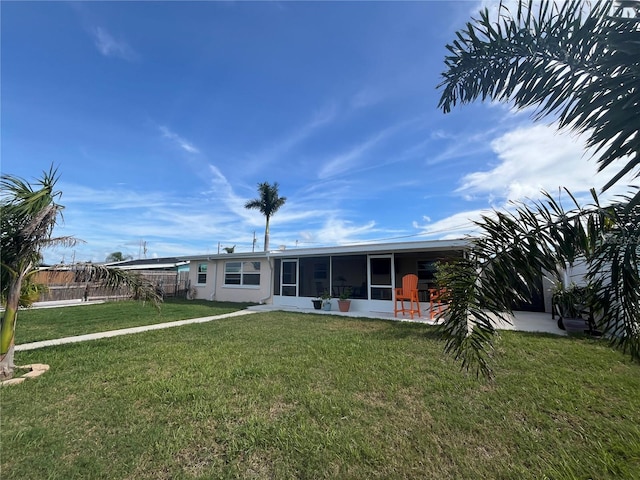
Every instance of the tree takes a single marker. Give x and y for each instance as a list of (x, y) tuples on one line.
[(576, 60), (512, 250), (28, 216), (117, 257), (579, 63), (268, 204)]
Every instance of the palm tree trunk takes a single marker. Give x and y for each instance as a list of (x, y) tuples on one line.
[(266, 236), (8, 329)]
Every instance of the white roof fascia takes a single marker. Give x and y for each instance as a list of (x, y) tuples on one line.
[(365, 248), (150, 266)]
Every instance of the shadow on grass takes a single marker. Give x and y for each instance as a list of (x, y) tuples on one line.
[(208, 303)]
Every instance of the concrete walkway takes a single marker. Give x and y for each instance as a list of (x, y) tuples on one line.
[(126, 331)]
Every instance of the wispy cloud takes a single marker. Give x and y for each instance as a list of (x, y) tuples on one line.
[(182, 143), (347, 160), (454, 226), (366, 97), (109, 46), (356, 156), (262, 159), (339, 231), (175, 223)]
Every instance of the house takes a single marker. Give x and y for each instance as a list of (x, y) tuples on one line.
[(291, 278), (167, 264)]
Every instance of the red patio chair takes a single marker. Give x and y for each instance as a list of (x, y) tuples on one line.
[(408, 292), (437, 301)]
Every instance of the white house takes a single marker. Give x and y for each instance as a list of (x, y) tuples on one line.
[(293, 277)]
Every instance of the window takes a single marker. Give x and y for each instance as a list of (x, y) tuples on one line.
[(202, 274), (349, 272), (242, 273), (314, 276)]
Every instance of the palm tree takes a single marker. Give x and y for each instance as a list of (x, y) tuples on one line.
[(578, 62), (511, 252), (268, 204), (117, 257), (28, 217)]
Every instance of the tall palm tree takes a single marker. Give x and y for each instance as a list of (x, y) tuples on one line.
[(28, 216), (577, 62), (268, 204)]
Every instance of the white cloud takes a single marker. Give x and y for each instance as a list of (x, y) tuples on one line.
[(184, 144), (341, 232), (455, 226), (108, 46), (532, 159)]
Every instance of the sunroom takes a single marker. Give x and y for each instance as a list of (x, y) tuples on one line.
[(368, 272)]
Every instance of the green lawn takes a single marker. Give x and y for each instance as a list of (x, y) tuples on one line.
[(48, 323), (283, 395)]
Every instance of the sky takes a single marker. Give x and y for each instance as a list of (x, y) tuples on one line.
[(162, 118)]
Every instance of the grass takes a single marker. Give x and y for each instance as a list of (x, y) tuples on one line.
[(288, 395), (48, 323)]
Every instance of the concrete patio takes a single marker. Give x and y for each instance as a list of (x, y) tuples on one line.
[(520, 321)]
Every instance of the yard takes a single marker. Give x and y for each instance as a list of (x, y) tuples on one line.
[(287, 395)]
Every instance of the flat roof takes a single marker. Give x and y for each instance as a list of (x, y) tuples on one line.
[(363, 248)]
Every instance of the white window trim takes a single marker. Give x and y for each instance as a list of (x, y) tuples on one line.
[(241, 273), (205, 273)]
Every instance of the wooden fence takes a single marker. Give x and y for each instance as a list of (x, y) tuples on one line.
[(169, 284)]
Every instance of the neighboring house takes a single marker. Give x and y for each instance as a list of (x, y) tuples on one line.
[(293, 277), (169, 264)]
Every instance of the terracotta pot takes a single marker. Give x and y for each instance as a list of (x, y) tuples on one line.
[(344, 305)]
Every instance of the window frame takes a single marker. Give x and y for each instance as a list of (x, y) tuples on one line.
[(241, 274), (200, 272)]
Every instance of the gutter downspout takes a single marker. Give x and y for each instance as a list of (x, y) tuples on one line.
[(212, 297), (263, 300)]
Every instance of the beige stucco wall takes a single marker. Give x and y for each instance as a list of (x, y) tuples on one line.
[(215, 289)]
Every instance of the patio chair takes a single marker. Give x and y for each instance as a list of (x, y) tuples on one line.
[(437, 301), (408, 292)]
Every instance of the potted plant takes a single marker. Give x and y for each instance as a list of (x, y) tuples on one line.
[(572, 304), (344, 303), (326, 300), (317, 303)]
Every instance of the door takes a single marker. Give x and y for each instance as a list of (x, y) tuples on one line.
[(381, 277), (289, 278)]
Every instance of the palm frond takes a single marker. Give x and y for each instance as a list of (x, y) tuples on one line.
[(514, 249), (576, 61)]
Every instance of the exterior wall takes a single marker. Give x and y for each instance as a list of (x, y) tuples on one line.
[(357, 305), (547, 291), (215, 288)]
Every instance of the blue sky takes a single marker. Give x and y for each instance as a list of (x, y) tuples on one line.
[(162, 118)]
